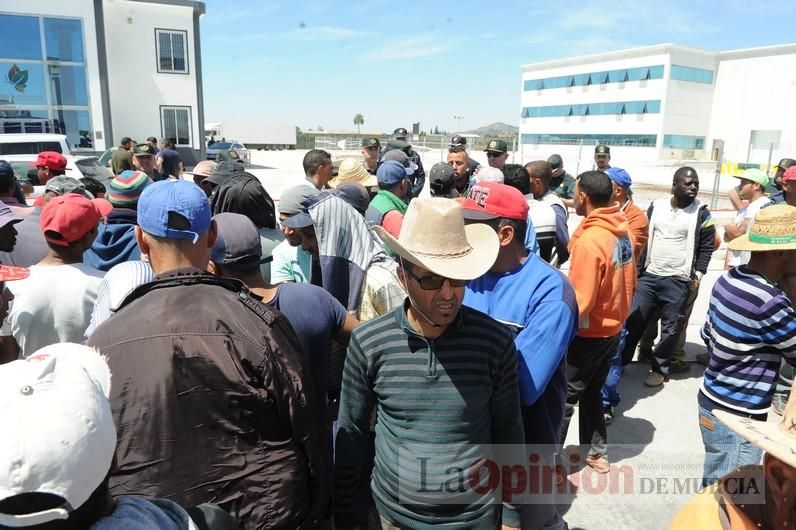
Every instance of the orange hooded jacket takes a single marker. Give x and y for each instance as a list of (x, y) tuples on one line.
[(603, 272)]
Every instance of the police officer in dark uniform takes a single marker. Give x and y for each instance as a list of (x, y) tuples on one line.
[(371, 154), (602, 157), (419, 178), (144, 160), (777, 194)]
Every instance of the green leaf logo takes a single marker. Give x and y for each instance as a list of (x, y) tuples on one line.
[(18, 78)]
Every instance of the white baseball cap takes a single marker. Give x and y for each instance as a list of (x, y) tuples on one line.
[(59, 437)]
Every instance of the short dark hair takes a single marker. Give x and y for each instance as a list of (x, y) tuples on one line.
[(166, 141), (517, 176), (540, 169), (126, 141), (597, 185), (152, 139), (8, 184), (520, 227), (94, 186), (83, 516), (683, 173), (314, 159)]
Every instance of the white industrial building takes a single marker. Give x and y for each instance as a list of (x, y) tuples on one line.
[(100, 70), (662, 106)]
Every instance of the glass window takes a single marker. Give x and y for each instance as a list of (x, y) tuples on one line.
[(599, 78), (581, 79), (68, 84), (24, 121), (677, 141), (654, 106), (22, 84), (587, 109), (695, 75), (533, 84), (640, 140), (617, 76), (76, 125), (176, 124), (172, 53), (656, 72), (64, 39), (20, 37)]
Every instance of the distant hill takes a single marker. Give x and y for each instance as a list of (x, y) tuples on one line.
[(495, 129)]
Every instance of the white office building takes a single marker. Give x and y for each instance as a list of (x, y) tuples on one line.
[(662, 106), (100, 70)]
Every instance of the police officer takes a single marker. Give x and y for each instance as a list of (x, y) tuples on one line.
[(497, 152), (371, 152), (144, 160), (417, 180), (602, 157)]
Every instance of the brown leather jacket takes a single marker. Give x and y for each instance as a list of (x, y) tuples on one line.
[(213, 402)]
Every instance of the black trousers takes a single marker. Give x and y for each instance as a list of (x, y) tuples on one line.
[(588, 360), (669, 294)]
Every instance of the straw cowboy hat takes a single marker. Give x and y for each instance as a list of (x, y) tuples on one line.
[(433, 236), (352, 170), (774, 228), (777, 439)]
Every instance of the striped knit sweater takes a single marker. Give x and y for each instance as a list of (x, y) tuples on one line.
[(751, 325), (436, 400)]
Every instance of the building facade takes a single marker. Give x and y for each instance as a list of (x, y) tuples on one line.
[(100, 70), (662, 105)]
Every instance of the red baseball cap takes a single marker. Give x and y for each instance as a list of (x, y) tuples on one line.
[(71, 216), (50, 159), (492, 200), (790, 174)]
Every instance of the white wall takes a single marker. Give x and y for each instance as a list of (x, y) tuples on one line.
[(82, 9), (755, 93), (136, 88)]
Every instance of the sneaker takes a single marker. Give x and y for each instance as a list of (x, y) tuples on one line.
[(655, 379), (677, 366), (703, 359), (778, 403), (598, 463), (608, 414)]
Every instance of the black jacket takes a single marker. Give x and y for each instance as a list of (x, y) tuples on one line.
[(213, 402), (703, 241)]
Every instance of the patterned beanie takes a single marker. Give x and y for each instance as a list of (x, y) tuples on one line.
[(124, 189)]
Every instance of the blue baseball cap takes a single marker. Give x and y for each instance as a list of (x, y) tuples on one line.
[(391, 173), (619, 176), (174, 209)]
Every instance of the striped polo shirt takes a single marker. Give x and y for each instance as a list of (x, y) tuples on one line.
[(436, 401), (751, 325)]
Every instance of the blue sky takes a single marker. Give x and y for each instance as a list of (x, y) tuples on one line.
[(317, 62)]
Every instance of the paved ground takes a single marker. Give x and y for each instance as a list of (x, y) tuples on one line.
[(655, 447)]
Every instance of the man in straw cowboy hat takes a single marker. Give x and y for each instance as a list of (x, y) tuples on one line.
[(751, 326), (759, 497), (442, 377)]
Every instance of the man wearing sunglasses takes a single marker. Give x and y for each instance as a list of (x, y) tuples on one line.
[(441, 377), (497, 152)]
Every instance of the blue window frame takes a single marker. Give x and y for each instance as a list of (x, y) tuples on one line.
[(594, 109), (20, 37), (596, 78), (639, 140), (694, 75), (68, 84)]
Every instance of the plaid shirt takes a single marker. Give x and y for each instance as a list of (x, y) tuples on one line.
[(381, 291)]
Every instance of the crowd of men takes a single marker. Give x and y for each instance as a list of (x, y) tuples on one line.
[(179, 352)]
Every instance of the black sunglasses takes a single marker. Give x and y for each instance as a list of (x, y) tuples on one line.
[(491, 154), (434, 283)]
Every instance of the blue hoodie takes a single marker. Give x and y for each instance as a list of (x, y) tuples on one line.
[(115, 242), (132, 513)]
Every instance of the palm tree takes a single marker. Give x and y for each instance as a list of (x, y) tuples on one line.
[(359, 119)]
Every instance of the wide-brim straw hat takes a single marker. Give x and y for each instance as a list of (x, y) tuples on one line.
[(434, 237), (352, 170), (777, 439), (774, 228)]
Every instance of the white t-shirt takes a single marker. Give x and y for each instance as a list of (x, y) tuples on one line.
[(748, 213), (51, 305), (669, 239)]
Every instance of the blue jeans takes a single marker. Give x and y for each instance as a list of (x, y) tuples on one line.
[(724, 450), (611, 395)]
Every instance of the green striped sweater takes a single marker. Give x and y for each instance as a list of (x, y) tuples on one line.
[(436, 400)]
